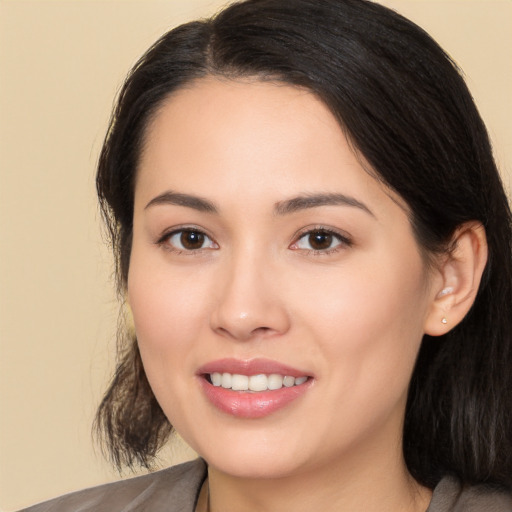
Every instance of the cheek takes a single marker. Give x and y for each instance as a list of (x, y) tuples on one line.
[(378, 296), (168, 308), (369, 323), (168, 313)]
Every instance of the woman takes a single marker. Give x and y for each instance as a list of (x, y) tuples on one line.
[(315, 244)]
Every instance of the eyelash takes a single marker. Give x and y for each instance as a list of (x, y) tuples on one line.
[(343, 240), (164, 241)]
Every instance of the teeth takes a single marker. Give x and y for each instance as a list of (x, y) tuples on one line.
[(288, 381), (216, 378), (226, 380), (239, 382), (275, 381), (260, 382)]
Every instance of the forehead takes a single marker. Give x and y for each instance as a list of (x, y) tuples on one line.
[(247, 112), (248, 137)]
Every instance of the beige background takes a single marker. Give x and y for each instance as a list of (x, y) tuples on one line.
[(61, 63)]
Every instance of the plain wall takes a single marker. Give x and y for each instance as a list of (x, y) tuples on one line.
[(61, 63)]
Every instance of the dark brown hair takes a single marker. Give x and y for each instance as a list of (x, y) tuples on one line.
[(403, 104)]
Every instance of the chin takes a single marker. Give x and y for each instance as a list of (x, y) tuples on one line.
[(251, 455), (255, 466)]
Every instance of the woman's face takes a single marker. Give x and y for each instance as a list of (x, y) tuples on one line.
[(261, 248)]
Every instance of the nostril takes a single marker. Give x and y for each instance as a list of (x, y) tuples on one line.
[(264, 318), (261, 330)]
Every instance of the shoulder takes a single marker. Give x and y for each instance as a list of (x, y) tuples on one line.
[(451, 496), (174, 489)]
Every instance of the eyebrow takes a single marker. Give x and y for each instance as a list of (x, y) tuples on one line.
[(187, 200), (287, 207), (307, 201)]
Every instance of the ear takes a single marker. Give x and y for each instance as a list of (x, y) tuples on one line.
[(460, 272)]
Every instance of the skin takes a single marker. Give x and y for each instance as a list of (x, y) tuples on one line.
[(351, 317)]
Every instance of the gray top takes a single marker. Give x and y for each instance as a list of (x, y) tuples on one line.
[(450, 496), (176, 489), (171, 490)]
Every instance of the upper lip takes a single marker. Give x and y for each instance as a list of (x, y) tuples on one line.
[(250, 367)]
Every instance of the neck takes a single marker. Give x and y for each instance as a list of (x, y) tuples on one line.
[(378, 482)]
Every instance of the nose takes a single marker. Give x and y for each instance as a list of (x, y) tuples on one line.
[(250, 302)]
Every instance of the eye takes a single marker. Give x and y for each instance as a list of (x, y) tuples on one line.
[(320, 241), (188, 240)]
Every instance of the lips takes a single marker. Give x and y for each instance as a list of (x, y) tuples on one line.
[(254, 388)]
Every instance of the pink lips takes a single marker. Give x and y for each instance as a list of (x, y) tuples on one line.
[(244, 404)]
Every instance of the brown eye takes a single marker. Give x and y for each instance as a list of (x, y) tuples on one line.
[(190, 240), (320, 241)]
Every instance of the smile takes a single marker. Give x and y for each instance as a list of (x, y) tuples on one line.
[(254, 383), (252, 389)]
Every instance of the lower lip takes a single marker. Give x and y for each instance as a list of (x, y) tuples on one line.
[(252, 405)]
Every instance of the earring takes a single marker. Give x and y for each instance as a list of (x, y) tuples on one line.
[(443, 320)]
